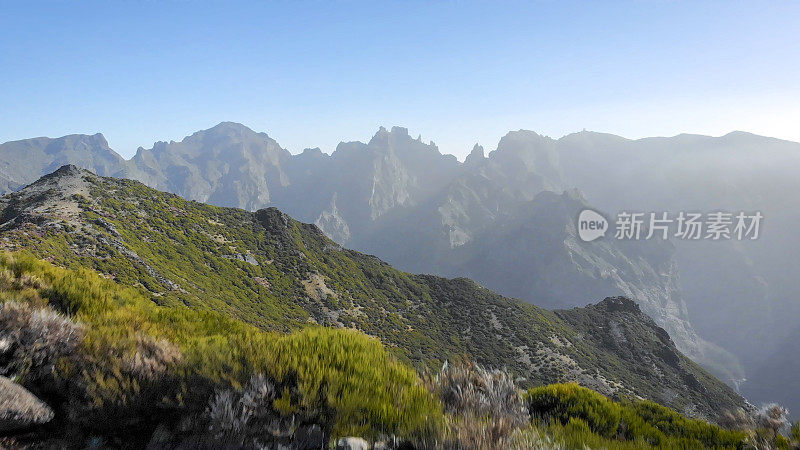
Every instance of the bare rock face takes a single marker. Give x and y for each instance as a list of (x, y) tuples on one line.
[(352, 443), (333, 224), (19, 409)]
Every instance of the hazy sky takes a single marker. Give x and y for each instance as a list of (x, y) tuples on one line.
[(315, 73)]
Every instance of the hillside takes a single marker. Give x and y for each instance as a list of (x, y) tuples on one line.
[(87, 362), (279, 274)]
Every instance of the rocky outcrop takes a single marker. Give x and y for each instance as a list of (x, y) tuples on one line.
[(332, 223), (352, 443), (19, 409)]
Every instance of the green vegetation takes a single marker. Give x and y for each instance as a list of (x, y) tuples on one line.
[(581, 416), (277, 275), (141, 365), (567, 401)]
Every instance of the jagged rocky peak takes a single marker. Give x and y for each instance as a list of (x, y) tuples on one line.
[(226, 165), (312, 151), (24, 161), (384, 138), (229, 127), (331, 222), (308, 161), (399, 140), (527, 146), (401, 131), (67, 171), (522, 153), (521, 139), (382, 135), (213, 140), (51, 198), (588, 134), (278, 222), (476, 156), (622, 313), (273, 218), (67, 179)]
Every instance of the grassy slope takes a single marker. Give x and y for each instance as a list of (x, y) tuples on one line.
[(187, 253)]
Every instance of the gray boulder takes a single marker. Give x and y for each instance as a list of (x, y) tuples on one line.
[(19, 408), (352, 443)]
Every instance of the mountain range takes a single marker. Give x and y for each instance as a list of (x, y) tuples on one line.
[(268, 270), (507, 220)]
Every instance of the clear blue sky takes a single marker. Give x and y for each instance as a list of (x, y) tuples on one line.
[(315, 73)]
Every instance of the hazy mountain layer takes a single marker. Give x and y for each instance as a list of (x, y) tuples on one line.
[(23, 162), (226, 165), (743, 295)]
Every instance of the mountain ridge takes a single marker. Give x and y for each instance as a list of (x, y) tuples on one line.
[(565, 136), (399, 198), (271, 271)]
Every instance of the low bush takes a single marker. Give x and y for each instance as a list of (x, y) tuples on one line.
[(247, 417), (563, 402), (576, 414), (32, 340), (485, 407), (349, 380), (471, 389), (121, 370)]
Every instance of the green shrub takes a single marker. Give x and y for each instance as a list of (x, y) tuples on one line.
[(563, 402), (576, 415), (655, 423), (367, 391), (141, 367)]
